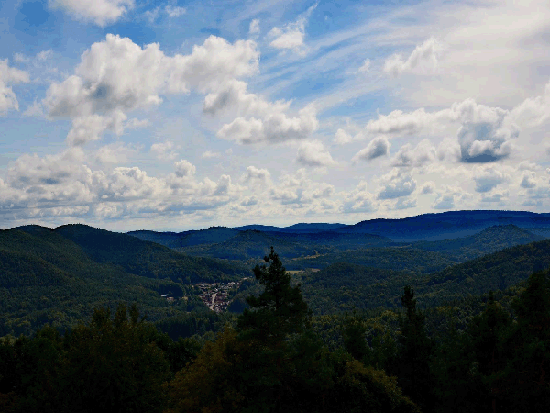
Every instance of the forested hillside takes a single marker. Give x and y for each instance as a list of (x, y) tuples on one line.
[(276, 357), (59, 276)]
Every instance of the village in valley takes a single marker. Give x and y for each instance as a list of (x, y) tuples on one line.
[(214, 296)]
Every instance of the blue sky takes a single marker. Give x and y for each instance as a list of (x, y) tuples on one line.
[(172, 115)]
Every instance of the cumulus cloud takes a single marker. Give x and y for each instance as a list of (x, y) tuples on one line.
[(423, 57), (102, 84), (102, 87), (256, 176), (291, 36), (487, 178), (528, 180), (287, 196), (89, 128), (423, 153), (232, 95), (101, 12), (9, 75), (404, 203), (275, 127), (114, 153), (342, 137), (313, 153), (485, 133), (496, 197), (398, 123), (184, 168), (360, 200), (396, 184), (376, 148), (428, 188), (449, 196), (35, 186), (249, 201), (533, 112), (164, 150)]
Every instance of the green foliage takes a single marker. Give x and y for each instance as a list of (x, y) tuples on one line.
[(279, 310), (112, 364), (415, 350), (58, 276)]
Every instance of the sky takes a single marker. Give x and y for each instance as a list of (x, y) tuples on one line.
[(175, 115)]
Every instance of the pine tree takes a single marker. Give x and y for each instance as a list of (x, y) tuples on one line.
[(413, 369), (280, 310)]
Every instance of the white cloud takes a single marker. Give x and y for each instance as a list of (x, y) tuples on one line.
[(376, 148), (164, 150), (114, 153), (101, 12), (254, 28), (232, 95), (360, 200), (256, 176), (487, 178), (291, 36), (9, 75), (44, 55), (495, 197), (533, 112), (528, 180), (174, 11), (396, 184), (341, 136), (20, 57), (313, 153), (398, 123), (89, 128), (116, 76), (428, 188), (249, 201), (184, 168), (152, 14), (135, 123), (423, 153), (275, 127), (423, 57), (404, 203), (449, 196), (211, 154), (485, 133)]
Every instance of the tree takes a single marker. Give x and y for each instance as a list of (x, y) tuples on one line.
[(527, 379), (277, 312), (354, 330), (487, 333), (413, 369), (115, 364)]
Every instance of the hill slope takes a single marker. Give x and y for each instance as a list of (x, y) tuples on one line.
[(343, 286), (59, 276)]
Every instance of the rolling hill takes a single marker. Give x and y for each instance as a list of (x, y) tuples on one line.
[(58, 276)]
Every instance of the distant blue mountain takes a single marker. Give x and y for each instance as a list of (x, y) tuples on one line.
[(184, 239), (296, 228), (448, 225), (427, 227), (258, 228)]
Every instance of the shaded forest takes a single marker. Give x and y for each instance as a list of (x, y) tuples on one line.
[(91, 319), (275, 357)]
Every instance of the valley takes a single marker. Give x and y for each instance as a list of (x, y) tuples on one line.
[(204, 288)]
